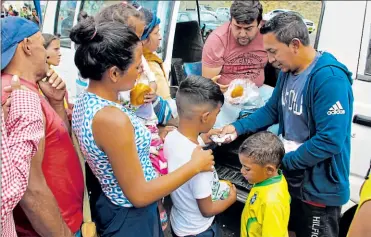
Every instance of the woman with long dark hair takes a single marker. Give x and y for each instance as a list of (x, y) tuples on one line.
[(113, 140)]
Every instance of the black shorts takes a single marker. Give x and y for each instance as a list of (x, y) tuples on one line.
[(307, 220)]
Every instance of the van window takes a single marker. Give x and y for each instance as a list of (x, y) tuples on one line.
[(367, 49), (368, 59), (93, 7), (64, 21), (310, 11), (364, 62), (163, 9), (22, 9)]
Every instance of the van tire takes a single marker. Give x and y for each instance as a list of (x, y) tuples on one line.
[(346, 220)]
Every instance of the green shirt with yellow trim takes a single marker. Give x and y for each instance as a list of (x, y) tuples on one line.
[(267, 209)]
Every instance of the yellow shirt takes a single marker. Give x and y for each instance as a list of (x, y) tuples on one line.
[(267, 209), (365, 194)]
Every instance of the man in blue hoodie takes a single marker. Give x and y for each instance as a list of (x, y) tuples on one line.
[(313, 104)]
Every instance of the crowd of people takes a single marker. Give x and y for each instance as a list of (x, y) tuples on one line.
[(142, 145), (26, 12)]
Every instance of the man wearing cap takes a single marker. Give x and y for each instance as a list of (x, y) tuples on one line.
[(52, 203)]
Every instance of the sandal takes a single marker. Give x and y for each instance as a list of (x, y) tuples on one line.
[(164, 220)]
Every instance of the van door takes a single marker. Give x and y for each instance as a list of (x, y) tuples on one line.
[(349, 41), (361, 130)]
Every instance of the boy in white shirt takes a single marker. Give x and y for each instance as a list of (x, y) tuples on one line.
[(194, 204)]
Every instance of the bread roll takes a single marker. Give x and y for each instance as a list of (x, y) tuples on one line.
[(237, 92), (137, 94)]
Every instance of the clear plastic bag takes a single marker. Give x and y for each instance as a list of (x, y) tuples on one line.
[(250, 98)]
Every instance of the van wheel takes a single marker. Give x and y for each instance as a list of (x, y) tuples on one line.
[(345, 221)]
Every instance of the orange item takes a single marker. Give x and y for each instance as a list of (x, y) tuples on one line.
[(237, 92), (138, 92)]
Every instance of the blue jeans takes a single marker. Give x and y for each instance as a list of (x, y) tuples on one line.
[(213, 231)]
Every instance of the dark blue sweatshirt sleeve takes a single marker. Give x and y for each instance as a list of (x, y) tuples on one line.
[(331, 127), (263, 117)]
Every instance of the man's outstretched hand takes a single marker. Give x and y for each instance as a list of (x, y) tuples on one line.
[(229, 132), (206, 137)]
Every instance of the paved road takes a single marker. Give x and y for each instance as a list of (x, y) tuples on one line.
[(229, 220)]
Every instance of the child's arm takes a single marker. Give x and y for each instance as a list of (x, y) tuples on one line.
[(208, 208), (275, 220)]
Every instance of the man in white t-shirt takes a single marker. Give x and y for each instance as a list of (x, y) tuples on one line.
[(194, 204)]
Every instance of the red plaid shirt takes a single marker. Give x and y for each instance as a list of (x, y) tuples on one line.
[(20, 136)]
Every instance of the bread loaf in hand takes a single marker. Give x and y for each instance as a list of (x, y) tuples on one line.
[(137, 94)]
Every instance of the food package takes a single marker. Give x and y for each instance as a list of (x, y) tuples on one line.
[(244, 94), (222, 192)]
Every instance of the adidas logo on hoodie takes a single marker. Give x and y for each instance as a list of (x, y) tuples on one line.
[(336, 109)]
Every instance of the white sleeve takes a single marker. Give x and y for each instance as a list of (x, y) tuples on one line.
[(201, 141), (147, 71), (200, 185)]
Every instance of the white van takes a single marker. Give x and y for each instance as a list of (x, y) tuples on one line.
[(343, 29)]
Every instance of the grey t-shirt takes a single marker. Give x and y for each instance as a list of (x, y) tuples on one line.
[(295, 123)]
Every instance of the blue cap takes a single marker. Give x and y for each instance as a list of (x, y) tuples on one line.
[(13, 30)]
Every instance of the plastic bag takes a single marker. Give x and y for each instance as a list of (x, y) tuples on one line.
[(227, 115), (222, 192), (250, 98)]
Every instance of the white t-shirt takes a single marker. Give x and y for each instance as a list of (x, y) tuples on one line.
[(186, 218)]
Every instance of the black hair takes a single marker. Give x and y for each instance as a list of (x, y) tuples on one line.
[(82, 15), (119, 12), (101, 46), (264, 148), (48, 38), (151, 21), (286, 26), (196, 91), (147, 14), (246, 12)]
